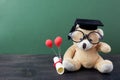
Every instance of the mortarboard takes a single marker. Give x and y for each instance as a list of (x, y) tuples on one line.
[(87, 24)]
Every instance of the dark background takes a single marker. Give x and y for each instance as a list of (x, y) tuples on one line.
[(26, 24)]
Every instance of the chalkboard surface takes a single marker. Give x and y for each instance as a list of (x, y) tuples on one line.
[(26, 24)]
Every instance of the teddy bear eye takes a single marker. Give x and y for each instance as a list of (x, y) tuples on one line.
[(81, 39), (90, 40), (94, 37)]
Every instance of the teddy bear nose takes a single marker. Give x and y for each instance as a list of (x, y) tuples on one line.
[(84, 45)]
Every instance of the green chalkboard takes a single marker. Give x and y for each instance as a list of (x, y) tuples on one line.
[(26, 24)]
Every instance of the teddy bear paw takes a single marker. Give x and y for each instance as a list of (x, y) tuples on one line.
[(68, 65), (106, 68)]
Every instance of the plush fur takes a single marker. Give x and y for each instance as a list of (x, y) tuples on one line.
[(76, 57)]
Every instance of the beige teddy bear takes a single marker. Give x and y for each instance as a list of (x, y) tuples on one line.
[(86, 45)]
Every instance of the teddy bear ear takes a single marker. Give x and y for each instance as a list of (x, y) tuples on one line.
[(100, 31), (77, 26)]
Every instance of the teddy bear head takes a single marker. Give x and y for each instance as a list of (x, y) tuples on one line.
[(86, 37)]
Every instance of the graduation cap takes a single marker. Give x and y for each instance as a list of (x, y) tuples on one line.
[(87, 24)]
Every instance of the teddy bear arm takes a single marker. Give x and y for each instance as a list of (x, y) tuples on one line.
[(104, 47), (70, 52)]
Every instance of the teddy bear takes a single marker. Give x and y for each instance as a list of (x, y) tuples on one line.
[(86, 37)]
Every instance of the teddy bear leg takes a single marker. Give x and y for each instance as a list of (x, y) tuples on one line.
[(71, 64), (104, 66)]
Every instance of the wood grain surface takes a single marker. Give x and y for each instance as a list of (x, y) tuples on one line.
[(40, 67)]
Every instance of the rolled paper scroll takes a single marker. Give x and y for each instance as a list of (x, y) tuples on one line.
[(58, 65)]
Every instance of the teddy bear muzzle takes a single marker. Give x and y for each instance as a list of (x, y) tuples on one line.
[(84, 45)]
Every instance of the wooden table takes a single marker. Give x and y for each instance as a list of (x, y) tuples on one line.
[(40, 67)]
